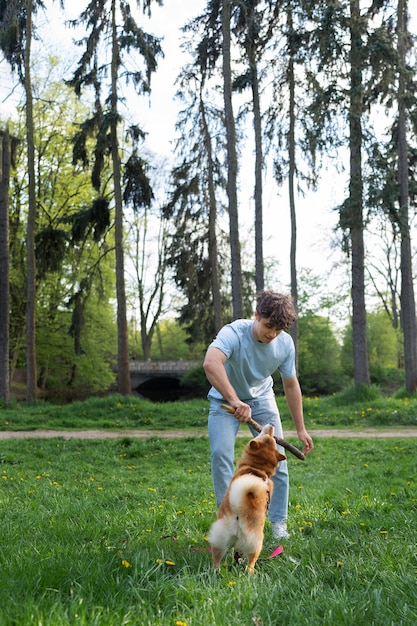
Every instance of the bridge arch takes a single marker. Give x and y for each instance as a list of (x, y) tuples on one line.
[(160, 380)]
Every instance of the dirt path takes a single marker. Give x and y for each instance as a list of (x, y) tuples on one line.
[(400, 433)]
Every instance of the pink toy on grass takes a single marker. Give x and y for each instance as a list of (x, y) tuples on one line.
[(279, 550)]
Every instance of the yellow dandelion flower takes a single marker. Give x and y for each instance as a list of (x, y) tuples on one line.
[(171, 563), (126, 563), (339, 563)]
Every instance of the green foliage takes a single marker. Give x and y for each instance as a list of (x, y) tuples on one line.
[(94, 533), (389, 379), (170, 343), (384, 343), (13, 31), (51, 247), (383, 340), (131, 42), (67, 372), (319, 352), (138, 191), (318, 356), (197, 379), (357, 393), (74, 276), (199, 253), (95, 217)]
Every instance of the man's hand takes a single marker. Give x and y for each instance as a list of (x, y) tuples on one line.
[(242, 411), (239, 410), (305, 438)]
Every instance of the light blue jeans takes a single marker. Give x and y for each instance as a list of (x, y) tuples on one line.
[(222, 431)]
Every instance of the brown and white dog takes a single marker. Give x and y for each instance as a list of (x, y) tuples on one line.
[(241, 515)]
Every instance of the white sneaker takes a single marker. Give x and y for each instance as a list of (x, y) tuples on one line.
[(279, 530)]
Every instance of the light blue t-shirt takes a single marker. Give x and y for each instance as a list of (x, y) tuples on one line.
[(250, 363)]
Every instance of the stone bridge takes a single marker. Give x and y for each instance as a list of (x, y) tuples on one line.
[(154, 379)]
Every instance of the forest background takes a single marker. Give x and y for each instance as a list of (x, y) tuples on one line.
[(144, 244)]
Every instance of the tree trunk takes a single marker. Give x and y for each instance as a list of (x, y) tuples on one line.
[(360, 352), (291, 178), (237, 299), (5, 156), (213, 248), (257, 126), (123, 372), (31, 382), (146, 342), (408, 313), (150, 308)]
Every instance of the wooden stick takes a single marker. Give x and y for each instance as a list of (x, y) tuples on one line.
[(281, 442)]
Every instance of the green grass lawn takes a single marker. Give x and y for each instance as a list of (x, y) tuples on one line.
[(117, 412), (114, 532)]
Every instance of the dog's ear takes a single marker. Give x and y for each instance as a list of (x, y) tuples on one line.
[(254, 444), (281, 457)]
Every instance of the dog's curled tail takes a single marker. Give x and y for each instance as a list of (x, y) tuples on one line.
[(249, 492)]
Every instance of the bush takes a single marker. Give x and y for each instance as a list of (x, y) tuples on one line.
[(320, 371), (195, 378), (357, 393), (389, 379)]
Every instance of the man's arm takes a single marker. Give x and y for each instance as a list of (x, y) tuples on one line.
[(294, 400), (217, 376)]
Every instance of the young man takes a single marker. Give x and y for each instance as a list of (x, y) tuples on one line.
[(238, 364)]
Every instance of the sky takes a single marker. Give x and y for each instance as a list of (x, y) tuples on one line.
[(316, 216)]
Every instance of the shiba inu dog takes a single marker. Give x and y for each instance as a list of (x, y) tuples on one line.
[(241, 515)]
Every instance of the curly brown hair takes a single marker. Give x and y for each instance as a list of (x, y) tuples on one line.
[(277, 306)]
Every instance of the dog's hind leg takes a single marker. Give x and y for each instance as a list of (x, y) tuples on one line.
[(252, 558), (217, 557), (220, 540)]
